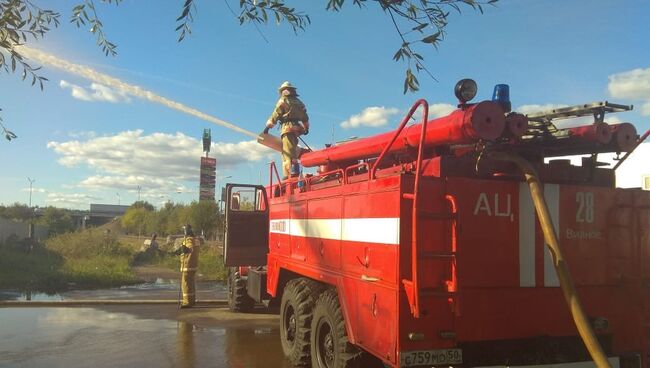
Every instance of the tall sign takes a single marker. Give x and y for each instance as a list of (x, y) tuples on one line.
[(207, 141), (208, 178)]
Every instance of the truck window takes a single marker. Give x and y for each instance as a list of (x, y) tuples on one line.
[(247, 200)]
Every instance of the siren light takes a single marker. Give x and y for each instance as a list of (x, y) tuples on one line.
[(501, 96)]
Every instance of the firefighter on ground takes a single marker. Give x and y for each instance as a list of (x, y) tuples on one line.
[(292, 115), (189, 266)]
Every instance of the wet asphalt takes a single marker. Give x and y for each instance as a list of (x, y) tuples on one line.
[(137, 335)]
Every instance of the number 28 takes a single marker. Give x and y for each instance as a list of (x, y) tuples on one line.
[(585, 212)]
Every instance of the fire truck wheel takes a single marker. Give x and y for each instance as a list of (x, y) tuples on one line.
[(238, 299), (330, 347), (296, 311)]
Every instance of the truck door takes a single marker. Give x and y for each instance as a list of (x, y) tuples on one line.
[(247, 225)]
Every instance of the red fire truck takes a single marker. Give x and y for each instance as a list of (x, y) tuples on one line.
[(423, 247)]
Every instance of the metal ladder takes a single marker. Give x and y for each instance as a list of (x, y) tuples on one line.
[(412, 288)]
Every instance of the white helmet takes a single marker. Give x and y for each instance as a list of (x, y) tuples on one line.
[(286, 85)]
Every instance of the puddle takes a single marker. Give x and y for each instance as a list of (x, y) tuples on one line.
[(160, 288), (27, 296), (65, 337)]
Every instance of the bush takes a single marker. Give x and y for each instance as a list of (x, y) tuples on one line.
[(87, 244), (38, 270)]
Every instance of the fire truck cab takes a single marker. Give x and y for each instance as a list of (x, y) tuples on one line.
[(419, 248)]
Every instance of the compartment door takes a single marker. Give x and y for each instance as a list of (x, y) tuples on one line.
[(247, 225)]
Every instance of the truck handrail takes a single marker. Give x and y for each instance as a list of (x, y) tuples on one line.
[(349, 168), (273, 168), (406, 119), (338, 172)]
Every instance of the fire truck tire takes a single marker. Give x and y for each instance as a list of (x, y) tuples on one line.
[(296, 312), (238, 299), (330, 347)]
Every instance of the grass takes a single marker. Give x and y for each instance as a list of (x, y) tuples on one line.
[(84, 259), (38, 270), (87, 260)]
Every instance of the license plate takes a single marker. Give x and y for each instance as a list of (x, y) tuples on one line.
[(431, 357)]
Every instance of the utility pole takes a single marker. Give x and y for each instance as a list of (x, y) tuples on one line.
[(30, 228), (31, 182), (139, 188)]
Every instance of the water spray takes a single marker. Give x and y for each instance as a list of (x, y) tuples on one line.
[(95, 76)]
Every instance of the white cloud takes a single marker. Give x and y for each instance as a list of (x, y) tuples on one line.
[(377, 116), (34, 190), (528, 109), (633, 85), (97, 92), (70, 200), (645, 109), (159, 162), (157, 155), (82, 134), (374, 116), (130, 182), (440, 109)]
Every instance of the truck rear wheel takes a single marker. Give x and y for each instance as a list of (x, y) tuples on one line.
[(238, 299), (296, 312), (330, 347)]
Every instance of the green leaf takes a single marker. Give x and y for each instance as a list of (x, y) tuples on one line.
[(420, 27), (432, 39)]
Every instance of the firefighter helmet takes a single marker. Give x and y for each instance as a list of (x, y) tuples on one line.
[(286, 85)]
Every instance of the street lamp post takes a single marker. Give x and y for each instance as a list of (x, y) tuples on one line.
[(31, 182), (31, 210)]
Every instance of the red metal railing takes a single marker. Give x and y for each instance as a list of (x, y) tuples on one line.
[(350, 168), (273, 169)]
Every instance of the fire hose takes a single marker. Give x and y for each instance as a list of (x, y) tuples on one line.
[(180, 282), (566, 282)]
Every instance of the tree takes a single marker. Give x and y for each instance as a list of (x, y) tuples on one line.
[(137, 221), (56, 220), (203, 217), (18, 212), (143, 204), (417, 22)]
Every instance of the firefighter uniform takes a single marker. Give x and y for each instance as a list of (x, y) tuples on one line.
[(294, 121), (189, 266)]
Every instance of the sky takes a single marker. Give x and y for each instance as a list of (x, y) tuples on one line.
[(86, 142)]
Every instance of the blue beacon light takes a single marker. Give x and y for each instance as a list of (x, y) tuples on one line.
[(501, 96)]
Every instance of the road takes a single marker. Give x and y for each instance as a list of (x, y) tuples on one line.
[(138, 335)]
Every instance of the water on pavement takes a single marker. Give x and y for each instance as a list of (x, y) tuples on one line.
[(88, 337)]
